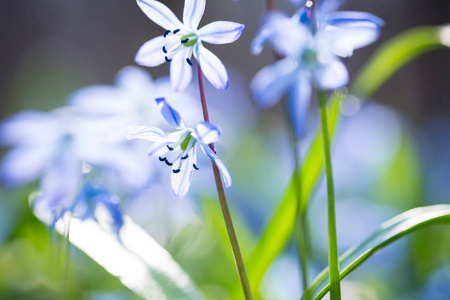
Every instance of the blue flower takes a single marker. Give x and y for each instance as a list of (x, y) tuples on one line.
[(179, 149), (182, 40), (61, 148), (311, 54)]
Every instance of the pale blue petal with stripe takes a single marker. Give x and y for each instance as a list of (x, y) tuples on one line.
[(226, 177), (151, 54), (181, 70), (206, 133), (212, 68), (193, 12), (221, 32), (160, 14)]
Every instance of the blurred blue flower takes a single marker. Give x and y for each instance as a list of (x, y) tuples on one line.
[(179, 149), (311, 42), (181, 40), (61, 148)]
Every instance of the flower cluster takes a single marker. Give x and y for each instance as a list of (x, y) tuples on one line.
[(310, 42)]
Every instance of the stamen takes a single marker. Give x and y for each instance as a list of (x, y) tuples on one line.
[(176, 31), (189, 61), (170, 148), (167, 59), (184, 157), (168, 163), (195, 166), (166, 33), (162, 158), (185, 41), (176, 171), (164, 49)]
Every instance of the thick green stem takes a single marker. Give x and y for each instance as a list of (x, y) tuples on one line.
[(333, 256), (223, 203)]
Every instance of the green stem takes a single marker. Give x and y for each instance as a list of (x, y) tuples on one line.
[(302, 242), (66, 257), (333, 256), (223, 203)]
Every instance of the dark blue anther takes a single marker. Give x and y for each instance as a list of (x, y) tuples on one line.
[(185, 41), (166, 33), (189, 61), (176, 31), (168, 163), (176, 171), (184, 157), (167, 59), (195, 166), (164, 49), (170, 148), (162, 158)]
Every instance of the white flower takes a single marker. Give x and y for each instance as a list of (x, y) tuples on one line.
[(179, 149), (181, 40)]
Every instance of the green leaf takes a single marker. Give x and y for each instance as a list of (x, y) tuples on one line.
[(281, 226), (388, 233), (396, 53), (137, 260), (390, 57)]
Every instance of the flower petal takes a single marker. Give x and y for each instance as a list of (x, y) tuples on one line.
[(298, 104), (206, 133), (221, 32), (353, 18), (181, 70), (226, 177), (151, 54), (181, 181), (332, 74), (271, 82), (212, 68), (171, 116), (193, 12), (149, 133), (160, 14), (24, 164)]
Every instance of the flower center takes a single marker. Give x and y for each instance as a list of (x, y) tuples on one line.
[(186, 141), (189, 40)]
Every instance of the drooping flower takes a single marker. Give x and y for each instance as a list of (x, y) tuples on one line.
[(179, 149), (61, 148), (309, 58), (181, 40)]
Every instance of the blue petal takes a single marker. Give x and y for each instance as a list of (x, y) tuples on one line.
[(298, 104), (331, 74), (206, 133), (226, 177), (353, 18), (133, 78), (270, 83), (193, 12), (180, 70), (160, 14), (221, 32), (212, 68), (171, 116)]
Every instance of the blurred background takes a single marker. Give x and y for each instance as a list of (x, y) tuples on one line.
[(390, 155)]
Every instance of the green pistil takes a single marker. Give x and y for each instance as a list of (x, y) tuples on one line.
[(185, 143), (187, 42)]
